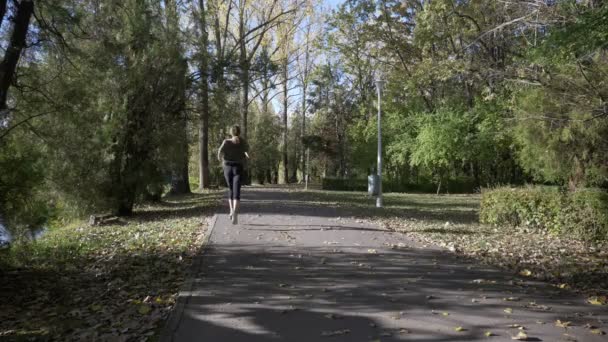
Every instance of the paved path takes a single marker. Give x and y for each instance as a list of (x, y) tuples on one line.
[(292, 271)]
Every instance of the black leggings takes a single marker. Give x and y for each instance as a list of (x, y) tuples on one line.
[(232, 173)]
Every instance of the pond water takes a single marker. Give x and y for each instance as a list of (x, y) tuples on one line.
[(5, 236)]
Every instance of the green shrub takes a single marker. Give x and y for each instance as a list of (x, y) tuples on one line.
[(582, 214), (344, 184), (588, 214), (455, 186)]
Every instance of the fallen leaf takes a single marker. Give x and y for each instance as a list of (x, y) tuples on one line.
[(517, 326), (508, 311), (335, 333), (525, 272), (144, 309), (521, 336), (445, 313), (460, 329), (561, 324), (597, 300), (597, 332), (511, 299), (489, 334)]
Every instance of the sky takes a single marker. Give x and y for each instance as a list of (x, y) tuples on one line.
[(333, 3)]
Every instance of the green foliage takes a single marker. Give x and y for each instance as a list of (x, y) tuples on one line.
[(116, 123), (582, 214), (561, 115), (22, 208), (341, 184), (441, 140), (264, 145)]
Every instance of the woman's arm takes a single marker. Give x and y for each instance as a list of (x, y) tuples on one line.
[(220, 150)]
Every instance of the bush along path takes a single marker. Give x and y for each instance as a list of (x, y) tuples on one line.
[(114, 282), (297, 268)]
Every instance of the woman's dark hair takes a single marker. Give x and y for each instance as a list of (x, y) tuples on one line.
[(236, 133)]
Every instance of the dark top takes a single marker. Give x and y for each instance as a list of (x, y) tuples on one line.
[(234, 152)]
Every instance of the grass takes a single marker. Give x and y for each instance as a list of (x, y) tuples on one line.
[(111, 282), (452, 221)]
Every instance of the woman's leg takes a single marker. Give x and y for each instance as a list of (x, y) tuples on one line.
[(236, 186), (229, 175)]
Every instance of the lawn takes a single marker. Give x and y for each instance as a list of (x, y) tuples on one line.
[(451, 221), (112, 282)]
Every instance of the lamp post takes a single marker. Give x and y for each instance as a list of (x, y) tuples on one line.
[(379, 84)]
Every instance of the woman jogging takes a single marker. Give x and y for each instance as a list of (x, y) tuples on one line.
[(235, 153)]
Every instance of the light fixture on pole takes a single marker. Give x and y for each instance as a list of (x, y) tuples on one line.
[(379, 84)]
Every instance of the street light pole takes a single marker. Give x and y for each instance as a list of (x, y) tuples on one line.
[(379, 84), (307, 168)]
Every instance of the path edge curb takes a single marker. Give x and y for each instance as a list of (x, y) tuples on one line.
[(185, 291)]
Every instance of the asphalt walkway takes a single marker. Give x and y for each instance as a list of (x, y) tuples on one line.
[(296, 271)]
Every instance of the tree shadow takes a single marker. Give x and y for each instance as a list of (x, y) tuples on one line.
[(264, 201), (183, 206), (307, 227)]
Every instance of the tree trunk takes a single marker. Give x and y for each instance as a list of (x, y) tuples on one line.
[(203, 132), (180, 179), (285, 108), (244, 69), (303, 152), (128, 160), (25, 9)]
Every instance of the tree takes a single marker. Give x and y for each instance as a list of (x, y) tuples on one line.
[(21, 23), (203, 132)]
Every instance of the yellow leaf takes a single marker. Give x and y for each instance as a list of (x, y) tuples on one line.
[(597, 332), (563, 286), (459, 329), (511, 299), (489, 334), (522, 336), (561, 324), (445, 313), (597, 300), (525, 272), (508, 310)]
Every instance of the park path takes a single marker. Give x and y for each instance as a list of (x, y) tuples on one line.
[(296, 271)]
